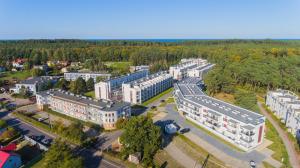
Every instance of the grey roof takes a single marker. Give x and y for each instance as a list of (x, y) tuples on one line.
[(138, 82), (38, 79), (124, 76), (190, 92), (205, 67), (104, 105)]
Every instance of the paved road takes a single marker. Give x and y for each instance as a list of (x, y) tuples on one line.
[(107, 138), (94, 160), (243, 156), (293, 157)]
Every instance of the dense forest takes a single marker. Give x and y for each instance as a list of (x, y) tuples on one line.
[(257, 64)]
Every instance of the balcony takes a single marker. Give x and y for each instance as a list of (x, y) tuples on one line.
[(248, 133), (247, 140)]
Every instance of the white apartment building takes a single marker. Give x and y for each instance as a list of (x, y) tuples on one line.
[(193, 67), (138, 91), (34, 85), (110, 88), (239, 126), (286, 106), (72, 76), (199, 71), (102, 112)]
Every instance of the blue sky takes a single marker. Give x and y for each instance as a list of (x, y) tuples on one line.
[(139, 19)]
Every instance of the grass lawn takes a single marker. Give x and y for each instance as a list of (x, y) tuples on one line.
[(19, 75), (90, 94), (163, 159), (195, 151), (118, 65), (267, 165), (153, 99), (116, 158), (277, 146), (216, 137)]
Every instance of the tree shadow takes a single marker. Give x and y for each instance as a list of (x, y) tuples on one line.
[(166, 138)]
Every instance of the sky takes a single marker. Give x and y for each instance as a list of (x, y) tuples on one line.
[(150, 19)]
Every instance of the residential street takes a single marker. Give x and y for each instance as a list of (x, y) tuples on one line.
[(294, 158)]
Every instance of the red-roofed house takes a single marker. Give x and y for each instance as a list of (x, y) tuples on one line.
[(9, 160)]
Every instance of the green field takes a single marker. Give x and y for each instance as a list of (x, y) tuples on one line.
[(19, 75), (118, 65), (90, 94), (153, 99)]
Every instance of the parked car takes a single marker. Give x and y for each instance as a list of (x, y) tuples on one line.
[(184, 130), (46, 141), (153, 107), (39, 138), (252, 164)]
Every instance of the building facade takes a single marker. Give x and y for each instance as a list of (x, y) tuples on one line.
[(193, 67), (139, 91), (34, 85), (241, 127), (72, 76), (109, 88), (102, 112), (138, 68), (286, 106)]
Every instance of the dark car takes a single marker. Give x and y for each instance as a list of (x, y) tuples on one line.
[(184, 130), (46, 141), (153, 107), (39, 138)]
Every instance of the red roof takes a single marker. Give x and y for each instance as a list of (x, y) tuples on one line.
[(3, 157), (10, 147)]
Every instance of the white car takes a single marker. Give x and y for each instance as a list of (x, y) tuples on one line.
[(252, 164)]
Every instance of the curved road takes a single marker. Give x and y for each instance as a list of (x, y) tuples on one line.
[(293, 157)]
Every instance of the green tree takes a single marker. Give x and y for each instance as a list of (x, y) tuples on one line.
[(37, 72), (78, 86), (3, 123), (90, 84), (62, 84), (141, 135), (60, 155), (245, 99), (24, 91)]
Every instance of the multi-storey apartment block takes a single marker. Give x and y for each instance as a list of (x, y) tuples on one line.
[(34, 85), (138, 91), (111, 88), (286, 106), (199, 71), (193, 67), (72, 76), (102, 112), (234, 124)]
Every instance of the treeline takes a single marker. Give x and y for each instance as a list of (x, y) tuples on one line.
[(257, 63)]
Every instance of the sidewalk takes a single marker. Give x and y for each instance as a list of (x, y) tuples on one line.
[(293, 157)]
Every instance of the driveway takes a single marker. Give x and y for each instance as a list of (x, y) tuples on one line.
[(293, 157), (218, 149)]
